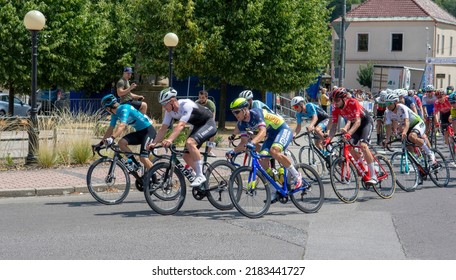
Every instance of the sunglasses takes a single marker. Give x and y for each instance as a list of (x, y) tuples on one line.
[(236, 112), (337, 99)]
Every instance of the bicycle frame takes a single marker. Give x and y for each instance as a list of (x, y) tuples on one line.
[(117, 157), (424, 170)]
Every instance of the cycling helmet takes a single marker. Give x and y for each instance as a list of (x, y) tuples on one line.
[(239, 103), (450, 89), (400, 92), (340, 93), (166, 95), (452, 97), (429, 88), (382, 96), (296, 100), (247, 94), (439, 92), (108, 101), (392, 97), (411, 92)]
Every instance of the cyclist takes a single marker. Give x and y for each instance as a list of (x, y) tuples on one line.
[(428, 106), (442, 108), (450, 90), (419, 104), (279, 135), (124, 92), (248, 94), (319, 118), (186, 112), (358, 128), (126, 114), (413, 125), (379, 109), (407, 100)]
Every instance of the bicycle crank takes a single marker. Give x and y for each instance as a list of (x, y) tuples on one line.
[(198, 194)]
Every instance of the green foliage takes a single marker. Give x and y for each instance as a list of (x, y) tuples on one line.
[(365, 75), (81, 151), (180, 139), (448, 5)]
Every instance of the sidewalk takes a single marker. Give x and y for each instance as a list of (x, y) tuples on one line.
[(53, 181)]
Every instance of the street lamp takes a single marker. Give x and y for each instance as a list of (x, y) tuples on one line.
[(33, 21), (171, 41)]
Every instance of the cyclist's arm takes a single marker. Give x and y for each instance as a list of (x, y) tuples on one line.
[(260, 136), (177, 130), (160, 134), (355, 126), (241, 146), (108, 132), (297, 130), (119, 130), (436, 116), (313, 121), (405, 128)]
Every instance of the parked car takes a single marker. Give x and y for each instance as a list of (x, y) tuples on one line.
[(20, 108)]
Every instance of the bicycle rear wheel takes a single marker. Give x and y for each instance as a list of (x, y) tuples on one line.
[(250, 197), (107, 182), (441, 176), (308, 156), (344, 180), (407, 174), (164, 189), (217, 175), (310, 198), (386, 177)]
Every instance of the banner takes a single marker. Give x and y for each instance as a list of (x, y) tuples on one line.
[(312, 90)]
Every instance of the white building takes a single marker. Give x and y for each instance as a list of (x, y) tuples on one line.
[(398, 32)]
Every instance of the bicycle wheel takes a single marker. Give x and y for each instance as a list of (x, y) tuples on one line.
[(407, 174), (108, 183), (164, 189), (308, 156), (311, 197), (291, 157), (386, 177), (452, 148), (344, 180), (217, 175), (441, 176), (250, 197)]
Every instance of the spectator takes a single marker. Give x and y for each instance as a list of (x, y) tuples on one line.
[(124, 92)]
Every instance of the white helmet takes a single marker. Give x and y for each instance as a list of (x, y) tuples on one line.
[(382, 96), (400, 92), (296, 100), (247, 94), (392, 97), (166, 95), (429, 88)]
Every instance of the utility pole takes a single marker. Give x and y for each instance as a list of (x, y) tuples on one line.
[(342, 46)]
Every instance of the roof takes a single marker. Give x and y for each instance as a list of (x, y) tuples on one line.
[(395, 10)]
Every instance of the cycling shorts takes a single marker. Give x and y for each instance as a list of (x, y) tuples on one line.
[(281, 139), (364, 131), (204, 132), (141, 137), (418, 128)]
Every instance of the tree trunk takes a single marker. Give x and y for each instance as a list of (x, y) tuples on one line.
[(222, 116)]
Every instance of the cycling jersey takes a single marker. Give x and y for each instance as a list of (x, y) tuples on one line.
[(311, 110), (442, 107), (428, 103), (126, 113), (453, 114), (403, 112), (351, 111), (260, 105), (188, 112)]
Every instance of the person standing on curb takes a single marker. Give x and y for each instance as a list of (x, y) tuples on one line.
[(124, 92), (203, 100)]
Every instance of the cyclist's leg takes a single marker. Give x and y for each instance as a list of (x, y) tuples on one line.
[(134, 138), (149, 134), (362, 137), (320, 129)]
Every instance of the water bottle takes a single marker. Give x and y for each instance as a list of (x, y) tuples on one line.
[(129, 164), (273, 173), (281, 172)]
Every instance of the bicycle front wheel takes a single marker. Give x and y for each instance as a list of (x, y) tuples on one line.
[(344, 180), (107, 182), (407, 174), (386, 177), (164, 189), (250, 196), (310, 198), (308, 156), (218, 174), (440, 176)]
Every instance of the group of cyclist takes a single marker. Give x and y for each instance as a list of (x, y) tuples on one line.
[(400, 109)]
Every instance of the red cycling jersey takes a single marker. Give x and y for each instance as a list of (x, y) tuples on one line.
[(443, 107), (351, 111)]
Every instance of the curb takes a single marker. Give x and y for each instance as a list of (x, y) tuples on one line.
[(43, 191)]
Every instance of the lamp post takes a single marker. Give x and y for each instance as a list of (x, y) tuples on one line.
[(171, 41), (342, 45), (33, 21)]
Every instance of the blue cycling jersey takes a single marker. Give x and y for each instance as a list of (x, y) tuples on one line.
[(312, 109), (128, 114)]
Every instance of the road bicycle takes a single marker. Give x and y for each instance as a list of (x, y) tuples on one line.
[(433, 130), (345, 172), (412, 167), (316, 158), (249, 188), (452, 143), (165, 186), (108, 178)]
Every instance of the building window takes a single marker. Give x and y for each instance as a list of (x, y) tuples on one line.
[(396, 45), (363, 42), (451, 46), (443, 44), (438, 43)]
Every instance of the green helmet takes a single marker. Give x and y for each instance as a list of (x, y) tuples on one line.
[(239, 103)]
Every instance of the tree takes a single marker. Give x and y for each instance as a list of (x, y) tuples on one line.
[(365, 75), (260, 44), (448, 5)]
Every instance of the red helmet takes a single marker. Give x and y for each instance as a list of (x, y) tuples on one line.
[(340, 93)]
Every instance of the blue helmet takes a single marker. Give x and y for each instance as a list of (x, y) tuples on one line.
[(452, 97), (108, 101)]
